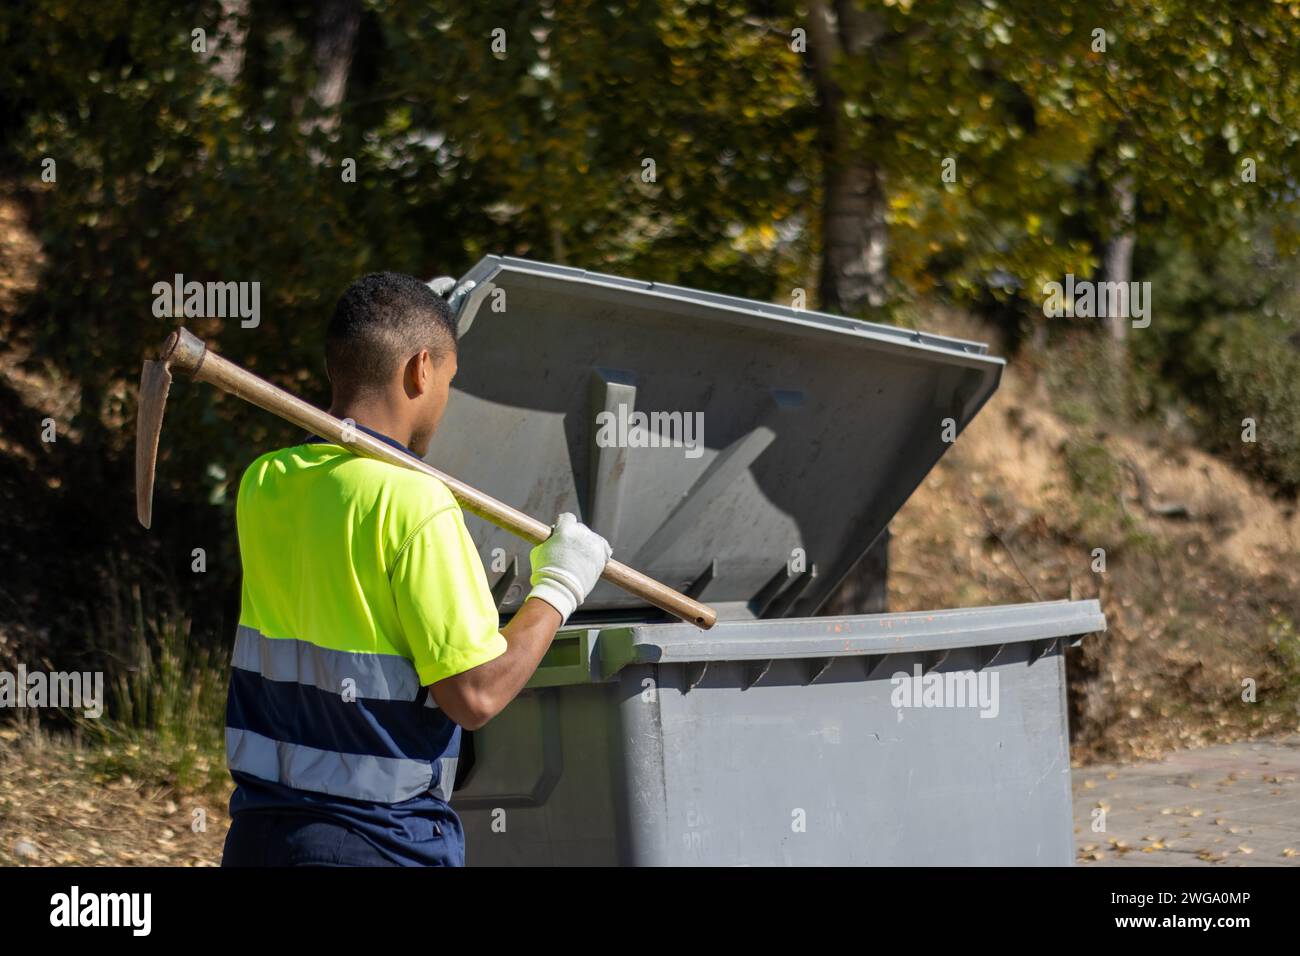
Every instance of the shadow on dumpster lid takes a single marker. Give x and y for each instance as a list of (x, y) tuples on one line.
[(785, 440)]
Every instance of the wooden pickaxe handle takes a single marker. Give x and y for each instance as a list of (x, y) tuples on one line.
[(188, 353)]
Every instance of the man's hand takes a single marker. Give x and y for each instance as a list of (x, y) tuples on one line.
[(567, 565)]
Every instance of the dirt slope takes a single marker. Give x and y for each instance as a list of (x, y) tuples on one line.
[(1202, 582)]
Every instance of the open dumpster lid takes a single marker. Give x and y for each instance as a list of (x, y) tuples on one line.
[(776, 444)]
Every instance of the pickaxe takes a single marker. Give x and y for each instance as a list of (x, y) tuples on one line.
[(188, 353)]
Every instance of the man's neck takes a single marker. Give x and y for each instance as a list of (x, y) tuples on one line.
[(374, 416)]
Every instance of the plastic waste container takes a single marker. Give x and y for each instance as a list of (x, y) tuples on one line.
[(749, 454)]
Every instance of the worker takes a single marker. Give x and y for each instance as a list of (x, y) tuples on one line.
[(368, 636)]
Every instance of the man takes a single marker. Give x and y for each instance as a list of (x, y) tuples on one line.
[(368, 636)]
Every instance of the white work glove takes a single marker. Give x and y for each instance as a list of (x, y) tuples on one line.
[(567, 565)]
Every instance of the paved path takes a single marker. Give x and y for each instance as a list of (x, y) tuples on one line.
[(1227, 805)]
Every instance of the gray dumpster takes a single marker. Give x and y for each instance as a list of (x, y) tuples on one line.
[(750, 455)]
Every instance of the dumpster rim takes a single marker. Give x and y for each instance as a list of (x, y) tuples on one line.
[(859, 635)]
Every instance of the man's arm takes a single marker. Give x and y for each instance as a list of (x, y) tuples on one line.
[(474, 697), (566, 566)]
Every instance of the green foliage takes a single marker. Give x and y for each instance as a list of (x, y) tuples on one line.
[(1225, 345), (166, 165), (1284, 641), (1096, 486), (1091, 468), (165, 714), (1258, 377), (1084, 386)]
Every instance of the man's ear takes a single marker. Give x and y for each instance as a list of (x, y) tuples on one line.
[(419, 372)]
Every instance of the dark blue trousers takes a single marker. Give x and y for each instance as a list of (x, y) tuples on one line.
[(298, 839)]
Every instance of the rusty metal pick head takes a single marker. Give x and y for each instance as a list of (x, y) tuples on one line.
[(155, 382), (185, 352)]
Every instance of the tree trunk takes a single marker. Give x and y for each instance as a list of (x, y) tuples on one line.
[(1118, 254), (865, 589), (232, 31), (855, 236), (559, 255), (337, 22)]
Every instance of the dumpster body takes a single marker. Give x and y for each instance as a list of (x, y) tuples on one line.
[(777, 737)]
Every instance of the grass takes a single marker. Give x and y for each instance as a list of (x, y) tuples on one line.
[(165, 714), (1284, 646), (1097, 497)]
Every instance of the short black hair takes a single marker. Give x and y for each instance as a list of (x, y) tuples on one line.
[(379, 322)]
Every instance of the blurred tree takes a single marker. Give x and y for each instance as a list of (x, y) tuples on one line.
[(974, 150), (1201, 108), (337, 22), (231, 32), (855, 234)]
